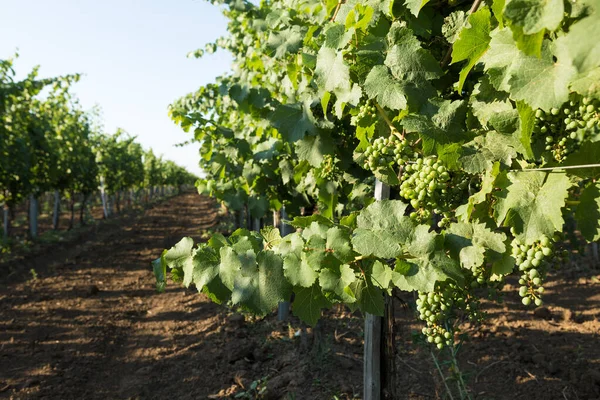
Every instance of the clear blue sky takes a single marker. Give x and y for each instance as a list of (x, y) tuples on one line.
[(132, 54)]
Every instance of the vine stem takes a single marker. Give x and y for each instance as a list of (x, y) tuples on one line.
[(446, 59), (437, 365), (388, 122), (337, 9)]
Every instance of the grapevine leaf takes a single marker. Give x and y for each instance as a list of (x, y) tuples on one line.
[(313, 148), (292, 243), (469, 242), (271, 236), (369, 298), (587, 154), (408, 61), (581, 43), (531, 45), (483, 151), (382, 229), (206, 264), (423, 242), (526, 125), (531, 202), (230, 266), (453, 24), (440, 122), (504, 265), (487, 103), (337, 37), (217, 241), (331, 72), (286, 41), (305, 222), (380, 85), (346, 96), (499, 58), (316, 230), (298, 271), (587, 214), (498, 10), (414, 6), (338, 242), (336, 279), (487, 184), (381, 275), (293, 121), (308, 304), (422, 274), (588, 83), (179, 254), (472, 42), (159, 266), (541, 82), (261, 287), (534, 15)]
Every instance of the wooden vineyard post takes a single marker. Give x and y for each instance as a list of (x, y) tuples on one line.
[(103, 197), (5, 222), (56, 212), (283, 310), (33, 216), (594, 250), (256, 224), (372, 372)]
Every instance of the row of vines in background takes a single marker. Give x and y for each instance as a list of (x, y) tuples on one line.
[(49, 144), (482, 119)]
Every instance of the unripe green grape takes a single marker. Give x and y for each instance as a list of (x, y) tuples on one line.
[(533, 273), (526, 301)]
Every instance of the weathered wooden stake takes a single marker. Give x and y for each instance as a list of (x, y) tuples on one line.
[(33, 216), (56, 212), (5, 222), (103, 197), (283, 311), (594, 249), (373, 327)]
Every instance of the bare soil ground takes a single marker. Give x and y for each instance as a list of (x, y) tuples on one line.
[(91, 326)]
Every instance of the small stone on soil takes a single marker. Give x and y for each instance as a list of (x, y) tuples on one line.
[(542, 312)]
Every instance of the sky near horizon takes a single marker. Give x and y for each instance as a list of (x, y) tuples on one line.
[(132, 54)]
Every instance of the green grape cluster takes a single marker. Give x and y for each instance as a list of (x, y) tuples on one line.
[(329, 170), (366, 110), (435, 308), (559, 127), (424, 183), (384, 152), (533, 264), (438, 309)]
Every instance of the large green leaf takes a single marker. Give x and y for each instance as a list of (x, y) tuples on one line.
[(293, 121), (473, 41), (382, 229), (532, 203), (588, 213), (308, 304), (422, 274), (440, 122), (534, 15), (381, 86), (332, 72)]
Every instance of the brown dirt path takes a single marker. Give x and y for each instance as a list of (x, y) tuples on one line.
[(92, 325)]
